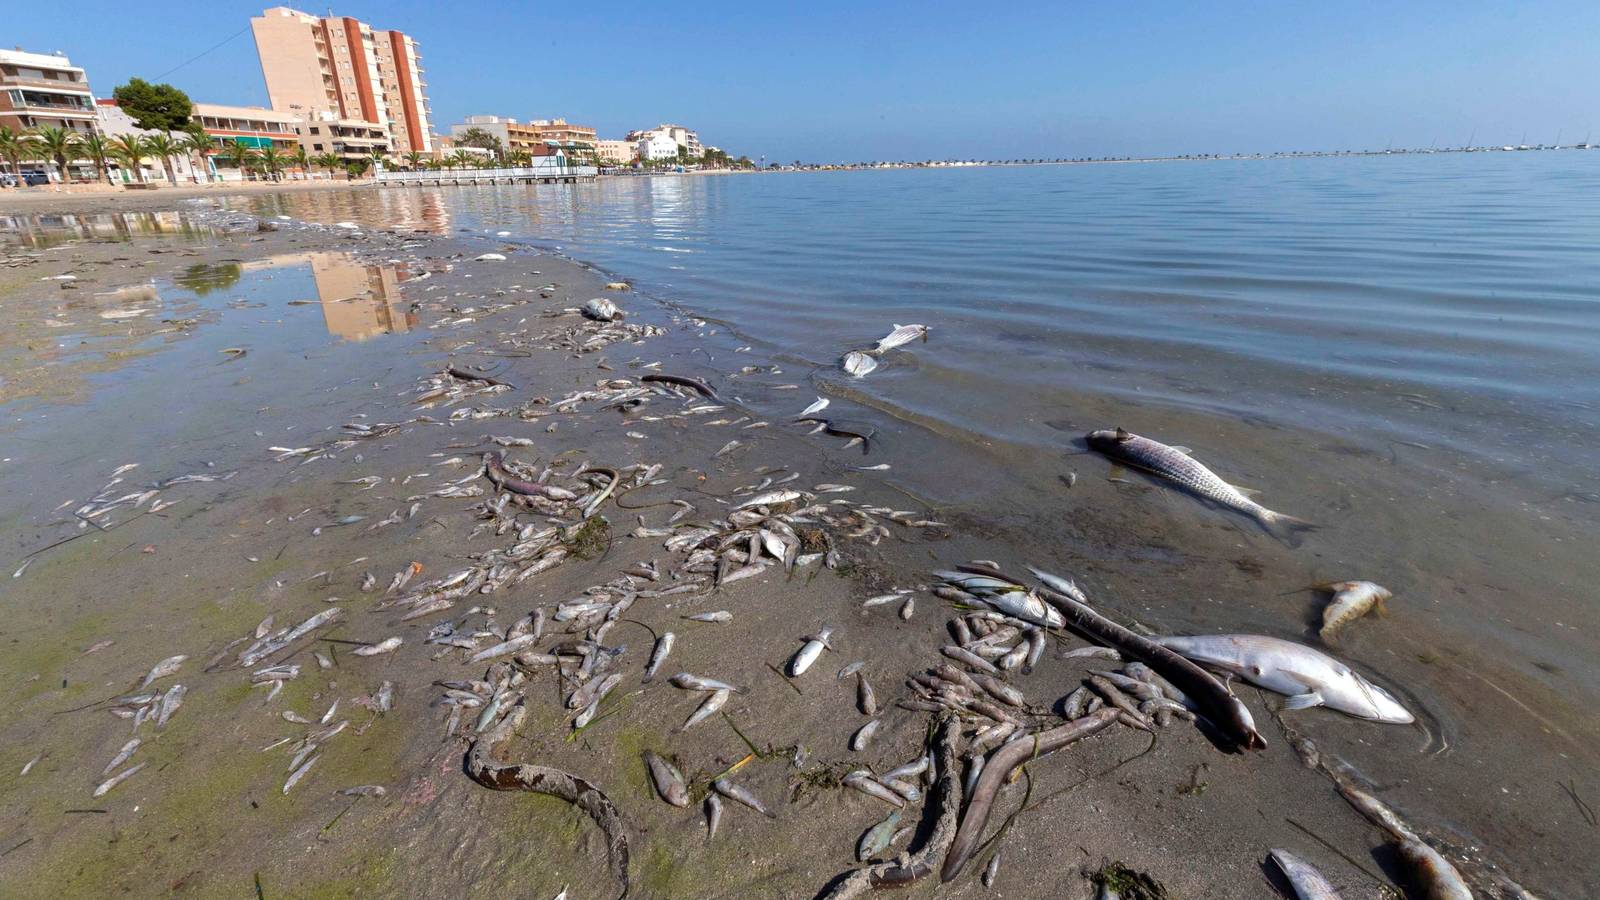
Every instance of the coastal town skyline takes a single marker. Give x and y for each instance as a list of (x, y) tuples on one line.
[(1214, 84)]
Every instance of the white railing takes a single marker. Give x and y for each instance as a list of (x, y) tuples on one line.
[(553, 169)]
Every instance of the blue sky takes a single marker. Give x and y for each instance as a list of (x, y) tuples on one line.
[(904, 80)]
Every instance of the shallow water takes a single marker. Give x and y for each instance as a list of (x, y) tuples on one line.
[(1402, 350)]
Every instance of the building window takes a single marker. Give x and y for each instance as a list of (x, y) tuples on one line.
[(316, 146)]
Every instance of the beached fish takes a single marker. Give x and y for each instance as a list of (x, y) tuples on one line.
[(741, 794), (809, 651), (1178, 467), (667, 779), (695, 683), (504, 648), (858, 363), (863, 781), (863, 735), (659, 655), (900, 336), (388, 645), (117, 779), (601, 310), (365, 790), (170, 701), (121, 757), (713, 815), (819, 406), (162, 669), (1307, 882), (300, 773), (875, 840), (719, 617), (866, 700), (1308, 677), (991, 870), (851, 669), (771, 498), (1435, 875), (1351, 600), (710, 706)]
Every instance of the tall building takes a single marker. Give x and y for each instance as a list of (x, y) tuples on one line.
[(44, 90), (340, 68), (678, 134), (540, 137)]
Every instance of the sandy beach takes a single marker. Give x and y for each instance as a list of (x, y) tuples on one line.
[(337, 462)]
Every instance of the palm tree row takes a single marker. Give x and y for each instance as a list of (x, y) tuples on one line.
[(61, 146)]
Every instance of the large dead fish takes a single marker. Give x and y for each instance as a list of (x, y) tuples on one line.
[(858, 363), (1308, 677), (900, 336), (1307, 882), (1179, 468)]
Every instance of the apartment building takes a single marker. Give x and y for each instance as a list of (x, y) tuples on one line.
[(654, 145), (678, 134), (566, 135), (255, 126), (44, 90), (348, 139), (343, 68), (616, 153)]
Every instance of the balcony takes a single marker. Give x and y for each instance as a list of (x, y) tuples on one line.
[(16, 81)]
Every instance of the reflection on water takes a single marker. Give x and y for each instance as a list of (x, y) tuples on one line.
[(426, 211), (203, 278), (358, 301), (39, 231)]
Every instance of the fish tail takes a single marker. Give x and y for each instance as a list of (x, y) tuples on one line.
[(1286, 528)]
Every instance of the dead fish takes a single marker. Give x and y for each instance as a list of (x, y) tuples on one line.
[(1179, 468), (737, 792), (28, 767), (819, 406), (162, 669), (876, 839), (809, 651), (866, 700), (1308, 677), (121, 757), (1351, 600), (300, 773), (908, 609), (601, 310), (863, 781), (727, 448), (659, 655), (713, 815), (120, 777), (710, 706), (667, 779), (900, 336), (719, 617), (365, 790), (388, 645), (858, 364), (1307, 882), (695, 683), (771, 498), (504, 648), (851, 669), (170, 701), (863, 735), (991, 870)]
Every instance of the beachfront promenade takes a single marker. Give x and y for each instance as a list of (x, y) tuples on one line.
[(546, 170)]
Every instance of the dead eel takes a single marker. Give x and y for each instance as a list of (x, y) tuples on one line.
[(489, 772), (999, 768), (694, 384)]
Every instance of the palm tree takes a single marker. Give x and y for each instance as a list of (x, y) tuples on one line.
[(465, 160), (99, 150), (130, 150), (58, 144), (12, 146), (272, 159), (448, 163), (239, 154), (163, 147), (378, 158), (329, 161), (413, 160), (197, 142), (300, 158), (520, 158)]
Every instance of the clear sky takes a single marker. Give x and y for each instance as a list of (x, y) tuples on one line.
[(831, 81)]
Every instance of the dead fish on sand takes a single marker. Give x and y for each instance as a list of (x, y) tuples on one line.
[(876, 839), (808, 652), (719, 617), (1179, 468), (739, 793), (667, 779), (388, 645), (819, 406), (710, 706), (1351, 600), (601, 310), (117, 779), (164, 668), (1308, 677), (1307, 882)]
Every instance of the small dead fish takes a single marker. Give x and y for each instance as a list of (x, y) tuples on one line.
[(819, 406), (710, 706), (120, 777), (876, 839), (718, 617), (851, 669), (659, 655), (1351, 600), (162, 669), (695, 683), (863, 781), (900, 336), (858, 741), (667, 779), (727, 448), (739, 793), (858, 364), (808, 652), (121, 757), (170, 701), (388, 645), (771, 498), (908, 609), (866, 700), (504, 648), (991, 870), (1307, 882), (713, 815), (365, 790), (300, 773)]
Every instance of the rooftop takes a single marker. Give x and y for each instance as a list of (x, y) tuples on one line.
[(20, 57)]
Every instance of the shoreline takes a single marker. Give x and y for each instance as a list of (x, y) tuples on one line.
[(782, 856)]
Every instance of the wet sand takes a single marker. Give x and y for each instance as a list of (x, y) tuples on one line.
[(208, 815)]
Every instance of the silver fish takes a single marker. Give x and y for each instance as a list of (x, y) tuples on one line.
[(991, 870), (713, 815), (858, 741), (1308, 677), (819, 406), (809, 651), (388, 645), (164, 668), (504, 648), (365, 790), (121, 757), (667, 779), (659, 655), (170, 701), (300, 773), (851, 669), (1182, 470), (1351, 600), (771, 498), (719, 617), (1307, 882), (696, 683), (710, 706), (858, 363), (900, 336), (117, 779), (863, 781), (738, 792), (866, 700)]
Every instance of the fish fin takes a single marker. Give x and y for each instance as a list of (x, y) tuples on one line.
[(1303, 701), (1186, 451), (1118, 474), (1123, 435), (1381, 606), (1288, 529), (1247, 491)]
